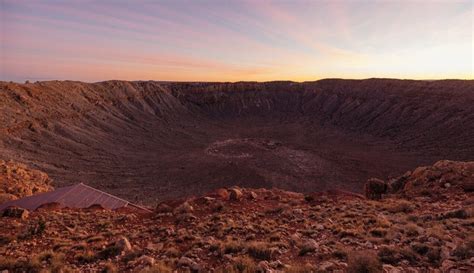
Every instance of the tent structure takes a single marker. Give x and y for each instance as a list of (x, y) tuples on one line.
[(76, 196)]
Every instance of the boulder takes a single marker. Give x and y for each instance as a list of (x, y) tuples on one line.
[(184, 208), (235, 194), (374, 188), (123, 244), (221, 194)]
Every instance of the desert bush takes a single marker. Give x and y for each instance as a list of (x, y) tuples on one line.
[(401, 206), (246, 265), (420, 248), (35, 229), (389, 255), (173, 252), (109, 252), (54, 261), (411, 230), (464, 251), (378, 232), (340, 254), (309, 198), (300, 269), (109, 268), (434, 255), (409, 255), (85, 257), (6, 239), (364, 263), (232, 247)]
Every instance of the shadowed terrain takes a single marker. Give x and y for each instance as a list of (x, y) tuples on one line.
[(154, 140)]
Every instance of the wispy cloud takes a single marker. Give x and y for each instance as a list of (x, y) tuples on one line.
[(235, 40)]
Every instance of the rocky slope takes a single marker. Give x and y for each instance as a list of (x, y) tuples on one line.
[(420, 225), (154, 140)]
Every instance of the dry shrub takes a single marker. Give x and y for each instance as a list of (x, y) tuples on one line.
[(232, 247), (402, 206), (110, 268), (366, 262), (159, 267), (259, 251)]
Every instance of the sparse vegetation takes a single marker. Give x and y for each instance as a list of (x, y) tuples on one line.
[(364, 263)]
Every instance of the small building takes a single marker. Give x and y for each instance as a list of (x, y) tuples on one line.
[(76, 196)]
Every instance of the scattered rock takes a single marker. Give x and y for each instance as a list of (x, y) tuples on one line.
[(235, 194), (123, 244), (184, 208), (15, 212)]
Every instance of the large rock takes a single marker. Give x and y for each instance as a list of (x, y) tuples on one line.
[(123, 244), (235, 194), (374, 188)]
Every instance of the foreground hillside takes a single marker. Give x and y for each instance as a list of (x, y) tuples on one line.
[(149, 141), (422, 223)]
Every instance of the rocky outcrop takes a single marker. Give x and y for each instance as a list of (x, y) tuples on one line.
[(17, 180), (433, 181), (443, 177)]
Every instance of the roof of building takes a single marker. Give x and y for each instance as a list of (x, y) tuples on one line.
[(76, 196)]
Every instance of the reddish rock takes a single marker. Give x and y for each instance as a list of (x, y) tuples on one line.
[(374, 188), (15, 212), (235, 194)]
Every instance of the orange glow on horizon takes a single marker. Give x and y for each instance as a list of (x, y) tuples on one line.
[(239, 40)]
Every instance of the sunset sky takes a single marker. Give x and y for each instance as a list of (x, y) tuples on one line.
[(235, 40)]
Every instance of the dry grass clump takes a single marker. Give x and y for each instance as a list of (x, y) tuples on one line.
[(300, 269), (54, 261), (159, 267), (241, 265), (465, 251), (340, 254), (378, 232), (109, 268), (364, 263), (109, 252), (231, 247), (173, 252), (51, 261), (259, 251), (393, 256), (6, 239), (412, 230), (434, 256), (85, 257), (389, 255), (401, 206)]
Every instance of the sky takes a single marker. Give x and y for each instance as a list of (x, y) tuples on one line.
[(218, 40)]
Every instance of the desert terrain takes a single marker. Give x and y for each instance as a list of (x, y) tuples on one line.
[(150, 141), (335, 175), (423, 223)]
